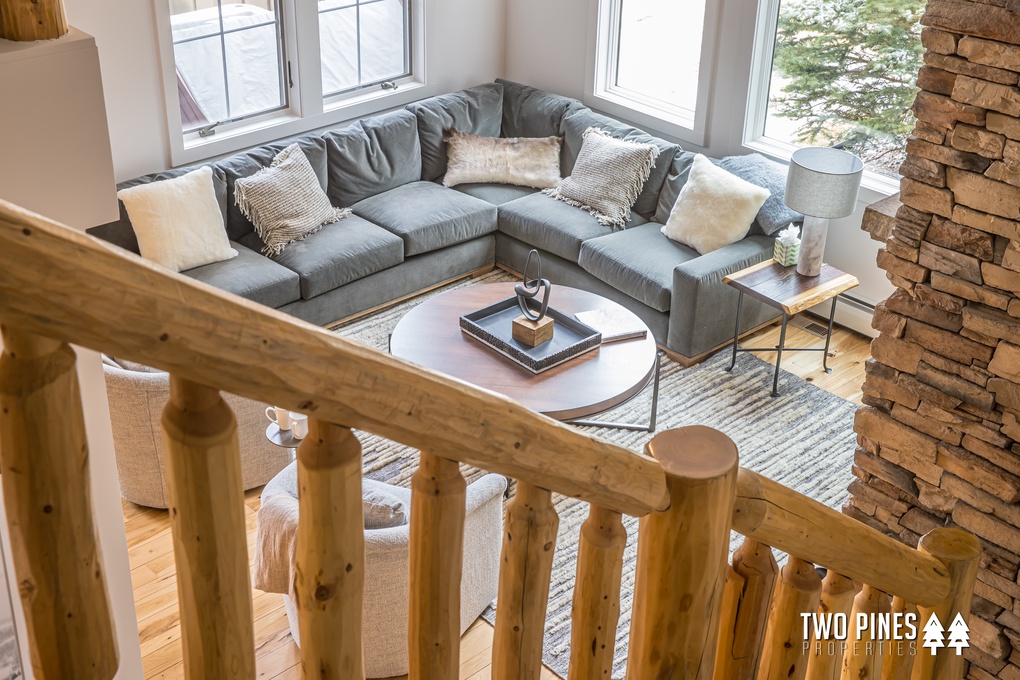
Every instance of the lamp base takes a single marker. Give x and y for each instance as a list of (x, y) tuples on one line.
[(812, 245)]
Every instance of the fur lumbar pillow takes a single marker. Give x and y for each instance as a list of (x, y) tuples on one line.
[(607, 177), (178, 221), (524, 161), (285, 201), (714, 209)]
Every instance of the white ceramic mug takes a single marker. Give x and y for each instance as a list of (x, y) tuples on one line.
[(298, 425), (280, 416)]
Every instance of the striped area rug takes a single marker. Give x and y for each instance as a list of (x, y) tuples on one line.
[(803, 439)]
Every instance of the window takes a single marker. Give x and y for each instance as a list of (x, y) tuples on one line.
[(651, 62), (242, 72), (229, 60), (378, 30), (836, 73)]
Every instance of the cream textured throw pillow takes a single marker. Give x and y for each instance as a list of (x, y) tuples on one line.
[(524, 161), (607, 177), (285, 201), (714, 209), (178, 221)]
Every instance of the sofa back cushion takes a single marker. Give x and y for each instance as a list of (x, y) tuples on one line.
[(576, 121), (121, 233), (478, 110), (372, 156), (676, 178), (530, 112), (249, 162)]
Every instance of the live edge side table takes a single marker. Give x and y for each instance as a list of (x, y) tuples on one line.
[(791, 293)]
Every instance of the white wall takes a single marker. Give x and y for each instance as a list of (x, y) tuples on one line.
[(547, 46), (465, 47)]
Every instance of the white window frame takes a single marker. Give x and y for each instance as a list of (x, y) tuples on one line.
[(766, 26), (307, 109), (601, 93)]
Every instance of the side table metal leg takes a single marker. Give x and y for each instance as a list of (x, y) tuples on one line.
[(828, 336), (736, 330), (779, 355)]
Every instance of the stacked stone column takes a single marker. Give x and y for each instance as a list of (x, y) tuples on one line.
[(939, 429)]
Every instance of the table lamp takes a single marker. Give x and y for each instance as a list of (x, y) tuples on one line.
[(822, 184)]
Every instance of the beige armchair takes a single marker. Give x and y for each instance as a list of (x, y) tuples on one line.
[(137, 396)]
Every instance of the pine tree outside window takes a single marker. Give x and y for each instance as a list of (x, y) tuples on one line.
[(836, 73)]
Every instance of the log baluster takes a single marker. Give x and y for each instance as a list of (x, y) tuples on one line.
[(32, 19), (863, 658), (47, 495), (529, 538), (756, 565), (826, 654), (329, 571), (436, 562), (961, 553), (203, 462), (728, 624), (681, 562), (595, 611), (786, 649), (898, 660)]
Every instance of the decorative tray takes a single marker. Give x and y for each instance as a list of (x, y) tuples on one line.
[(492, 326)]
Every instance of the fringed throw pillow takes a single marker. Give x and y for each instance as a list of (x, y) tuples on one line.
[(607, 176), (527, 162), (285, 201)]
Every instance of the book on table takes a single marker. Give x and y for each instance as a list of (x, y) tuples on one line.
[(615, 324)]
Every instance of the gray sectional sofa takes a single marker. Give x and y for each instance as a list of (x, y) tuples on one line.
[(408, 232)]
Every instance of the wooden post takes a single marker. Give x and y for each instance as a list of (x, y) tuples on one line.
[(437, 559), (786, 650), (32, 19), (681, 561), (863, 658), (825, 659), (727, 625), (525, 569), (329, 572), (961, 553), (58, 563), (756, 564), (898, 660), (203, 462), (595, 612)]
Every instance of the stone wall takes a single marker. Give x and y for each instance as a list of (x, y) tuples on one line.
[(939, 429)]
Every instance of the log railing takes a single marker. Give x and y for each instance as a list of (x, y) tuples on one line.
[(693, 615)]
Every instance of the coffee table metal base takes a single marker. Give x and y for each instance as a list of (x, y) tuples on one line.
[(650, 427)]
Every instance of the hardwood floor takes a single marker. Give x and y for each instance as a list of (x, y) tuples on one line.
[(153, 573)]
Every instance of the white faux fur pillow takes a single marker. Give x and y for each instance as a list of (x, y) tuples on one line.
[(714, 209), (524, 161), (178, 221)]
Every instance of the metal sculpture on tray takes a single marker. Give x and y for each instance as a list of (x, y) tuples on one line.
[(533, 328)]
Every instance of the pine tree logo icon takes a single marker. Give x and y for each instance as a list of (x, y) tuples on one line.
[(959, 634), (933, 631)]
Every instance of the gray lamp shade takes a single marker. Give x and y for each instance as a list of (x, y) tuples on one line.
[(823, 182)]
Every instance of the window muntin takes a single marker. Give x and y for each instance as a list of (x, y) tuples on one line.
[(229, 60), (363, 43)]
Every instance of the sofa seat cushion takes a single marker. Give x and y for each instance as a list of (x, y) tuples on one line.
[(496, 194), (252, 276), (638, 262), (543, 222), (428, 216), (340, 253)]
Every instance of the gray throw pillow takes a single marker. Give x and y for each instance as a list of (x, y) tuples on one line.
[(607, 176), (285, 201), (757, 169), (381, 506)]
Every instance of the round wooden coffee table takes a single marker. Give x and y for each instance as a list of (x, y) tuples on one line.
[(430, 336)]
